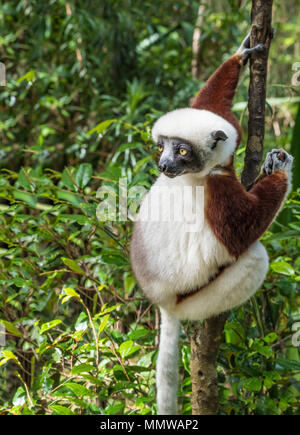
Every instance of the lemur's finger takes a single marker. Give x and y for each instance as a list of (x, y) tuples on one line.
[(258, 47), (247, 51)]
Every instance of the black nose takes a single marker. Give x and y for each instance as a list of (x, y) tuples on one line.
[(162, 167)]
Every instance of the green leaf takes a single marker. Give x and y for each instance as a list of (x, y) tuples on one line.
[(283, 236), (115, 259), (115, 409), (82, 368), (25, 181), (78, 389), (141, 163), (282, 267), (83, 175), (73, 265), (48, 325), (26, 197), (130, 146), (11, 328), (100, 128), (134, 335), (67, 179), (69, 293), (146, 360), (288, 364), (271, 337), (112, 173), (20, 397), (103, 322), (129, 283), (127, 348), (29, 76), (271, 377), (261, 349), (61, 410), (7, 356), (72, 198), (82, 322), (253, 384)]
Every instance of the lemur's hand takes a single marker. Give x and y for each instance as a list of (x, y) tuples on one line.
[(277, 160), (245, 49)]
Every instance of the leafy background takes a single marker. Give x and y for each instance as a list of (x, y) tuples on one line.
[(85, 81)]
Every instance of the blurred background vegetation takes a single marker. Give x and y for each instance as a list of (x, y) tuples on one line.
[(85, 81)]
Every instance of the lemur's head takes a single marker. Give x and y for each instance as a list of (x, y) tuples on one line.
[(206, 135), (192, 140)]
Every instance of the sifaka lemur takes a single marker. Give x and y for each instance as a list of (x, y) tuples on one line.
[(195, 274)]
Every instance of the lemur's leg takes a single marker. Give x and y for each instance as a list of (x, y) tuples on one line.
[(233, 287)]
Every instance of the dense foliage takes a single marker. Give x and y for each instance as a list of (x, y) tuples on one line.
[(85, 81)]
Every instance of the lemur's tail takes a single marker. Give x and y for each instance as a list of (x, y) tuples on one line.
[(167, 365)]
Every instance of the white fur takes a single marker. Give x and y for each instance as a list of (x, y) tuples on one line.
[(196, 126), (233, 287), (167, 365), (180, 260)]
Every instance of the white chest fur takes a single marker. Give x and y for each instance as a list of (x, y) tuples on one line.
[(180, 252)]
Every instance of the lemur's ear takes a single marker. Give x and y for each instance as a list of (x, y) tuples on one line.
[(219, 135)]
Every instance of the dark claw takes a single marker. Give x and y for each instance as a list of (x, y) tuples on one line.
[(272, 34)]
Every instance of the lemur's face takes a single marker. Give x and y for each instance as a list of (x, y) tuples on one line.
[(193, 141), (179, 156)]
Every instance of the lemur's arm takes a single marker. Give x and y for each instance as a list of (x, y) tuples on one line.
[(218, 92), (237, 217)]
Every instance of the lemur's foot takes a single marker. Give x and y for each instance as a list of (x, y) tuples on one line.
[(277, 160), (245, 49)]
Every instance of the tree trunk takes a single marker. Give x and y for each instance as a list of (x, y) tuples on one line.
[(196, 47), (205, 342), (206, 337), (261, 32)]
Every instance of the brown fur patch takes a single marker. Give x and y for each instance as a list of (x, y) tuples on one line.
[(218, 92), (238, 218)]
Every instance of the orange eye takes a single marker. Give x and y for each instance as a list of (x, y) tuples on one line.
[(160, 148), (183, 151)]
